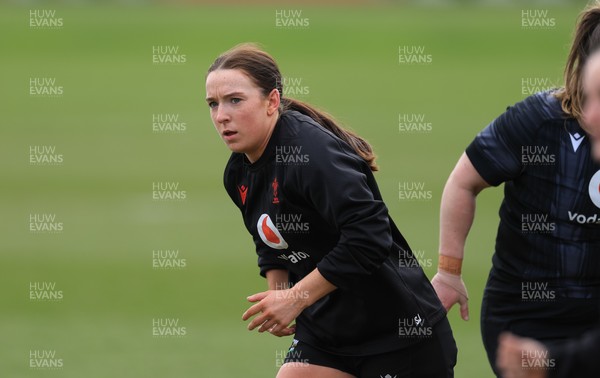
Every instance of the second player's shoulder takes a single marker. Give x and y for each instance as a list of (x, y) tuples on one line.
[(541, 106)]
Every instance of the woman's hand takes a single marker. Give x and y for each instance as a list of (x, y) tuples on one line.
[(276, 309), (519, 357), (451, 289)]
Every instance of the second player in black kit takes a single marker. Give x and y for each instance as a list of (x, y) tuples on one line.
[(544, 282)]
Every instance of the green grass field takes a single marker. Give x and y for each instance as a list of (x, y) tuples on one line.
[(102, 192)]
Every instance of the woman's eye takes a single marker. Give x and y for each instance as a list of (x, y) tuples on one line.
[(236, 100), (212, 104)]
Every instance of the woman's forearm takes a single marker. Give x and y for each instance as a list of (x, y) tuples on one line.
[(277, 279), (311, 288)]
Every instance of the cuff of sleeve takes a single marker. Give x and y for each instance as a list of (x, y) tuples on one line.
[(480, 163), (329, 276), (265, 268)]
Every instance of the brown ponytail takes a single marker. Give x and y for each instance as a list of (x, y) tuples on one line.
[(585, 42), (358, 144), (263, 70)]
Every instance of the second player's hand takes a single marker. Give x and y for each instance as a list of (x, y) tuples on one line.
[(275, 310), (519, 357), (451, 289)]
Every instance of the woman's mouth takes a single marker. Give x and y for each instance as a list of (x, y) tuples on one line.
[(228, 134)]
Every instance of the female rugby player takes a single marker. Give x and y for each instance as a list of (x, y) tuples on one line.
[(545, 277), (334, 261), (520, 357)]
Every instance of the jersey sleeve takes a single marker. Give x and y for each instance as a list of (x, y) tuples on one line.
[(336, 183), (577, 358), (496, 152), (267, 260)]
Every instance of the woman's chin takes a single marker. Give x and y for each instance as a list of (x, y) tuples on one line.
[(235, 147)]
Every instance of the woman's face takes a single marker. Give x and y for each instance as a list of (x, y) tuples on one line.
[(242, 115), (591, 107)]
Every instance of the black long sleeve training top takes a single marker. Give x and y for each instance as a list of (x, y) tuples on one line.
[(311, 202)]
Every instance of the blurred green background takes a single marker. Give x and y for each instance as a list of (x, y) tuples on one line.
[(347, 59)]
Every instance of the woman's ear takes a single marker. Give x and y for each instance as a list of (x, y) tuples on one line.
[(274, 100)]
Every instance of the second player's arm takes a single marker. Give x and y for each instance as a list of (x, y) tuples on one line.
[(457, 209), (457, 212)]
